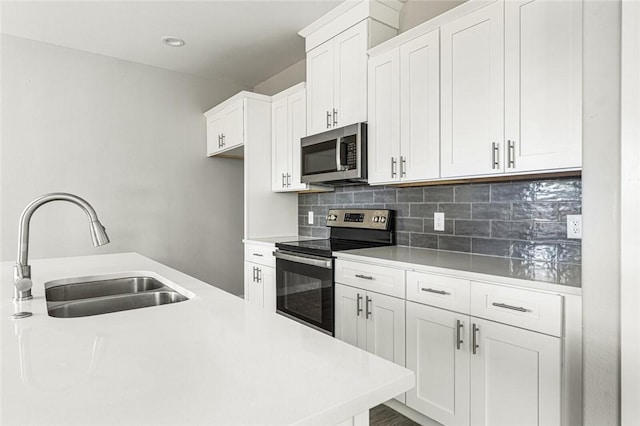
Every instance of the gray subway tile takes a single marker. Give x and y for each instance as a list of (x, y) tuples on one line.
[(424, 210), (455, 210), (490, 246), (448, 227), (499, 211), (304, 231), (532, 250), (569, 274), (320, 232), (522, 230), (363, 197), (534, 270), (438, 194), (538, 211), (471, 193), (308, 199), (384, 196), (559, 190), (424, 241), (327, 198), (570, 252), (401, 209), (472, 228), (450, 243), (568, 207), (344, 197), (410, 195), (549, 231), (512, 191), (405, 224), (403, 238)]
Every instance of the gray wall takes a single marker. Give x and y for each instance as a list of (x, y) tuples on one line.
[(128, 138)]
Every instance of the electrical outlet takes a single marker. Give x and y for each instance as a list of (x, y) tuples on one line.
[(311, 218), (574, 226), (438, 221)]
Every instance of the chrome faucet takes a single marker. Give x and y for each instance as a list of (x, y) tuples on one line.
[(22, 270)]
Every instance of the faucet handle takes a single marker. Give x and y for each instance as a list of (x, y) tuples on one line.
[(23, 284)]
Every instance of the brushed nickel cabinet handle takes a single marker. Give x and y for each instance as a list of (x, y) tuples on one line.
[(368, 310), (258, 254), (513, 308), (512, 154), (495, 151), (254, 274), (288, 180), (259, 270), (430, 290), (335, 117), (393, 167), (403, 166), (358, 308), (474, 341), (328, 119), (459, 340), (364, 277)]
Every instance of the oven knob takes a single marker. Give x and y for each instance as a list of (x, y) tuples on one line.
[(376, 218), (383, 219)]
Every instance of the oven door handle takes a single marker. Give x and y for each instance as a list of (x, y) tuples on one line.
[(320, 262)]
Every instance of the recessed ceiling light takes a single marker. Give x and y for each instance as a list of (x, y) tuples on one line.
[(173, 41)]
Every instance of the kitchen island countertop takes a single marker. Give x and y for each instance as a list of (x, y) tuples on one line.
[(213, 359)]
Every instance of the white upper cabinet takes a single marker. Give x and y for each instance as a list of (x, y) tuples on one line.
[(225, 129), (404, 112), (543, 84), (289, 125), (512, 89), (472, 93), (336, 46)]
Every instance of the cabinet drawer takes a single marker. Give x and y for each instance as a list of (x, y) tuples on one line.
[(260, 253), (439, 291), (371, 277), (533, 310)]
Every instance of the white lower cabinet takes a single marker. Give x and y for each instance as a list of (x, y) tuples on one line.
[(371, 321), (260, 285), (479, 372), (440, 363)]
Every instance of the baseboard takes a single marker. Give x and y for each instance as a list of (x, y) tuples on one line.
[(411, 414)]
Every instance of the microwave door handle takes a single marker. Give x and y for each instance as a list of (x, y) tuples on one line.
[(338, 163), (341, 155)]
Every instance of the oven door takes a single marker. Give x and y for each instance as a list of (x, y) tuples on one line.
[(304, 289)]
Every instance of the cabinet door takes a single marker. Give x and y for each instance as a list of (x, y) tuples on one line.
[(297, 107), (442, 370), (350, 321), (350, 71), (253, 290), (515, 377), (234, 125), (420, 106), (543, 84), (267, 277), (320, 88), (280, 144), (384, 115), (386, 328), (472, 93), (214, 132)]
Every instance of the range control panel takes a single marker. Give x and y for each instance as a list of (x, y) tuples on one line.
[(360, 218)]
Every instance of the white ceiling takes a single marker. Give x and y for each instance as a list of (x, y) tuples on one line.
[(243, 41)]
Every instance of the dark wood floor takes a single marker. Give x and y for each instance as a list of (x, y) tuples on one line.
[(382, 415)]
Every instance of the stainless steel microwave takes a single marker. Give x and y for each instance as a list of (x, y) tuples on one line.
[(334, 157)]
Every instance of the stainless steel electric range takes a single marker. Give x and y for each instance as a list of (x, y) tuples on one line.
[(305, 268)]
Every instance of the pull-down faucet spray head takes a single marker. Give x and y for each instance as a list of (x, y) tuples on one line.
[(22, 270)]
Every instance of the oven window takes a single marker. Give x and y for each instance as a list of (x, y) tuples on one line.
[(305, 292), (319, 158)]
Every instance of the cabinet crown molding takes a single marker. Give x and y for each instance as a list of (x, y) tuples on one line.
[(241, 95)]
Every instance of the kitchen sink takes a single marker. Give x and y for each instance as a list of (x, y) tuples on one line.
[(81, 297)]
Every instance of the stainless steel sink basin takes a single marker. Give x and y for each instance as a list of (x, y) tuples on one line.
[(81, 297), (100, 288)]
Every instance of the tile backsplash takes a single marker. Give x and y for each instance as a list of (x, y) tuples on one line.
[(520, 220)]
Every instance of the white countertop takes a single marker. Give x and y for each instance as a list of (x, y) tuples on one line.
[(537, 275), (274, 240), (213, 359)]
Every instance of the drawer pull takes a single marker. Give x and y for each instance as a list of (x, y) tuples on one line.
[(430, 290), (368, 313), (459, 340), (258, 254), (358, 308), (364, 277), (513, 308)]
